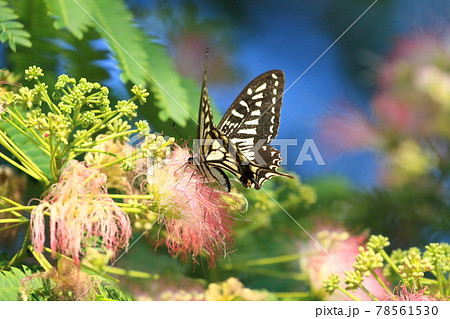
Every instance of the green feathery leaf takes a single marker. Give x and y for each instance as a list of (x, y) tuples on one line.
[(10, 283), (12, 30), (70, 15), (114, 22), (167, 86), (142, 61), (111, 293), (46, 49)]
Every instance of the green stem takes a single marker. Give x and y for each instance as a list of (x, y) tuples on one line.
[(12, 220), (119, 160), (10, 201), (149, 197), (389, 261), (15, 225), (113, 136), (295, 294), (440, 279), (368, 293), (30, 167), (22, 168), (22, 252), (13, 209), (375, 275), (264, 261), (93, 129), (40, 143), (54, 169), (74, 151), (91, 150), (41, 259), (48, 100), (132, 273), (76, 113), (352, 296)]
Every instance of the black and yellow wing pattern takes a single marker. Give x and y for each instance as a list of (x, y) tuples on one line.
[(240, 143)]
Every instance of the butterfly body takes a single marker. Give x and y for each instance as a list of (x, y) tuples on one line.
[(239, 144)]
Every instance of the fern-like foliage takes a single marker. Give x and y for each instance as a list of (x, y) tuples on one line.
[(192, 90), (167, 86), (111, 293), (46, 49), (142, 61), (114, 23), (62, 34), (11, 30), (12, 288), (69, 14), (16, 285)]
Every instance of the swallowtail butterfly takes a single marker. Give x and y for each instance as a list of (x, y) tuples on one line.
[(240, 143)]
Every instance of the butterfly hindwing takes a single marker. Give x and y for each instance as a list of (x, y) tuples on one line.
[(221, 178)]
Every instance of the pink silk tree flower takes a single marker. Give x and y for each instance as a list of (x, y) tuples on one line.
[(403, 294), (410, 54), (347, 129), (413, 77), (394, 115), (197, 216), (81, 214)]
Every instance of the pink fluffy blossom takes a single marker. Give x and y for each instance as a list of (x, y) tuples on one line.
[(404, 295), (197, 216), (395, 115), (409, 53), (348, 129), (80, 213)]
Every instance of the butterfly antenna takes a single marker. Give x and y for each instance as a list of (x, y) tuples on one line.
[(206, 58), (175, 129), (205, 66)]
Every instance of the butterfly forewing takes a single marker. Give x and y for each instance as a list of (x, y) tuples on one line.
[(205, 118), (254, 117), (210, 145), (256, 109)]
